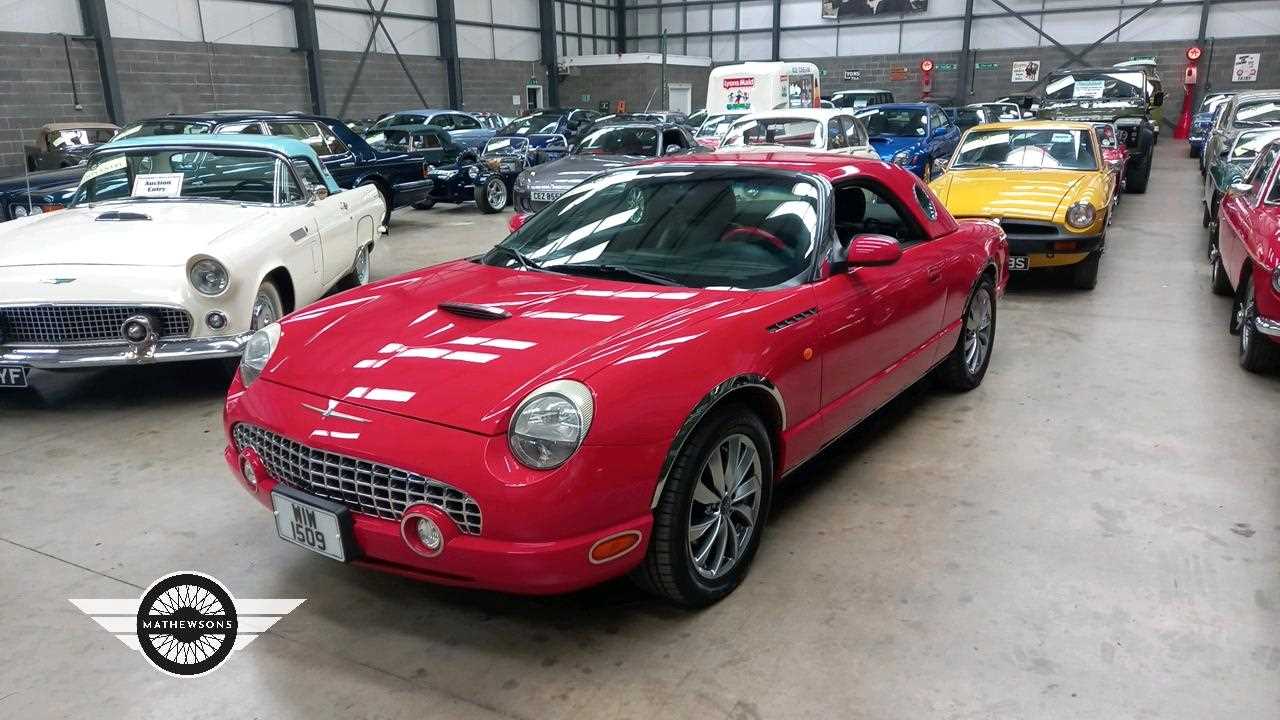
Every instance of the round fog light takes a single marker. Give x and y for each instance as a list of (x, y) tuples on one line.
[(215, 320), (250, 477), (430, 535)]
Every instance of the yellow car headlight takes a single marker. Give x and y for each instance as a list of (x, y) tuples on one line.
[(1081, 215)]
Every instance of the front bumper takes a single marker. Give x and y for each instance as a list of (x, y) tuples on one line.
[(1048, 245), (537, 528), (70, 357), (1268, 327)]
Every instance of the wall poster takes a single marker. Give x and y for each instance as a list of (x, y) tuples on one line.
[(837, 9)]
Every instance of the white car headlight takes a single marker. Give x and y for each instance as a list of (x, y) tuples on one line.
[(473, 172), (257, 351), (551, 423), (208, 276), (1081, 215), (522, 182)]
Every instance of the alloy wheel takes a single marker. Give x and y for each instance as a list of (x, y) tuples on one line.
[(362, 266), (496, 191), (977, 332), (264, 312), (725, 507)]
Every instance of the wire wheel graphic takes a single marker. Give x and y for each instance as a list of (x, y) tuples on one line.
[(187, 624)]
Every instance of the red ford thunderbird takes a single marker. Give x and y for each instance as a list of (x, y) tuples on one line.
[(1247, 261), (617, 386)]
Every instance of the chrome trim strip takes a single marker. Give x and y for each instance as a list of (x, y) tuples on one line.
[(85, 356), (1270, 328), (708, 401)]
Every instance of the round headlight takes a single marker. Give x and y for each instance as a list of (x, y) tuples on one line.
[(35, 210), (18, 211), (1081, 215), (522, 182), (551, 423), (257, 351), (473, 172), (208, 276)]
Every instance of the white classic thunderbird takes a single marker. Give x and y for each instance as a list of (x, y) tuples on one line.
[(177, 248)]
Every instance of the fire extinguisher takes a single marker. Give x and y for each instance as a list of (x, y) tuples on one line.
[(1190, 77), (926, 78)]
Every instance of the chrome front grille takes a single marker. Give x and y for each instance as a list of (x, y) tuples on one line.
[(72, 324), (363, 486)]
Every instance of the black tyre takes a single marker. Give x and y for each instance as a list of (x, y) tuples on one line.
[(967, 364), (1204, 217), (386, 200), (493, 196), (1218, 280), (425, 204), (1193, 152), (1084, 274), (712, 511), (1137, 180), (1258, 353)]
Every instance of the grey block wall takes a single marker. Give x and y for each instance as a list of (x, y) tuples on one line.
[(383, 86), (158, 78), (35, 88), (487, 85)]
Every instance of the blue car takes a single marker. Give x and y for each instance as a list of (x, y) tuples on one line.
[(464, 128), (911, 135), (1202, 122), (16, 202)]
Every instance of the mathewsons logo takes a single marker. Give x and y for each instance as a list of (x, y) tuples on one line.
[(187, 623)]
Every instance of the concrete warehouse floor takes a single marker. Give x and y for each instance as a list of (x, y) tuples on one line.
[(1094, 533)]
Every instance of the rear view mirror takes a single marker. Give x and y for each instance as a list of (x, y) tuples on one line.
[(872, 251)]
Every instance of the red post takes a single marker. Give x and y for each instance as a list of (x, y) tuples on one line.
[(926, 78), (1189, 81)]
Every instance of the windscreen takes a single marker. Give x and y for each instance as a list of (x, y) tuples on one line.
[(712, 228), (149, 128), (1028, 149), (166, 174), (536, 124), (637, 141), (895, 122), (1097, 86), (789, 132)]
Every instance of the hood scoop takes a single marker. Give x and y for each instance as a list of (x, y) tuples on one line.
[(118, 216), (472, 310)]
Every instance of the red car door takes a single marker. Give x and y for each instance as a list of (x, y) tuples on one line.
[(877, 322), (1235, 215)]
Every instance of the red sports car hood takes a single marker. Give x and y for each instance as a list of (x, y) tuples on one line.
[(417, 345)]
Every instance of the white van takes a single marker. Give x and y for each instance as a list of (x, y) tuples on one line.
[(735, 90)]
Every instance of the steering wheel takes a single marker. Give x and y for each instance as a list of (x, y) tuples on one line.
[(251, 181), (756, 235)]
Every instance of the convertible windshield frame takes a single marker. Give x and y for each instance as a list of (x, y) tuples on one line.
[(580, 148), (816, 129), (523, 242), (915, 114), (282, 162)]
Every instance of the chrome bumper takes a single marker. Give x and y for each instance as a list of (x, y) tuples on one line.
[(69, 357), (1266, 326)]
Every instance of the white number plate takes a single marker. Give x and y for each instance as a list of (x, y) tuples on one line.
[(544, 196), (308, 526), (1019, 262)]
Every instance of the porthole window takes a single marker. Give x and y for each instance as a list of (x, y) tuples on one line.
[(926, 203)]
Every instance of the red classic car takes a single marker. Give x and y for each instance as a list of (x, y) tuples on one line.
[(1114, 153), (1246, 262), (617, 385)]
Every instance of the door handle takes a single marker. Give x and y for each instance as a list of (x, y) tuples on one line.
[(343, 205), (935, 273)]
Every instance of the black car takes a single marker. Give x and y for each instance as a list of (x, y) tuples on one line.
[(399, 175), (568, 123), (490, 180)]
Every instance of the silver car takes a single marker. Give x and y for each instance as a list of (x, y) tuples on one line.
[(605, 146)]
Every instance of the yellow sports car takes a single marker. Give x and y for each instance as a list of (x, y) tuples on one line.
[(1047, 185)]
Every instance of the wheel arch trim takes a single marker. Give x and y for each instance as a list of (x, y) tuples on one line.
[(730, 387)]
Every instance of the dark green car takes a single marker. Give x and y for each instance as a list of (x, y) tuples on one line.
[(1229, 167), (1125, 97)]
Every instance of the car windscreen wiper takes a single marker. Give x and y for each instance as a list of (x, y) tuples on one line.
[(608, 269), (962, 166), (524, 260)]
